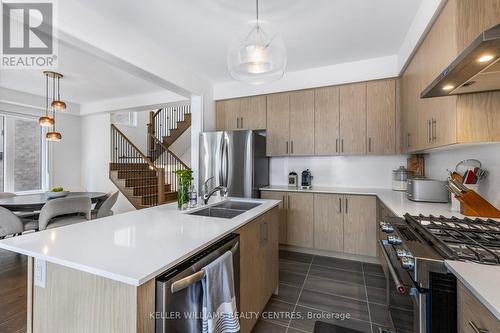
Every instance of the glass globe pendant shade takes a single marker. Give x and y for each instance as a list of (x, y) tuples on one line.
[(59, 105), (258, 58), (53, 136), (46, 121)]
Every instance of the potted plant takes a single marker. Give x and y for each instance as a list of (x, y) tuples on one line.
[(184, 180)]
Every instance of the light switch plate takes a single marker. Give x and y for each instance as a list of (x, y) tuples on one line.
[(40, 272)]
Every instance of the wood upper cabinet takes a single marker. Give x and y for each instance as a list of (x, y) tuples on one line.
[(353, 119), (381, 117), (472, 315), (253, 113), (302, 122), (228, 112), (247, 113), (326, 121), (300, 223), (328, 222), (360, 225), (278, 124), (281, 210)]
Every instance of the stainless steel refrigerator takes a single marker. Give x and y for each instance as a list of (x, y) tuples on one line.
[(236, 160)]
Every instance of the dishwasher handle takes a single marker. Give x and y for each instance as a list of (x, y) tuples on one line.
[(195, 277)]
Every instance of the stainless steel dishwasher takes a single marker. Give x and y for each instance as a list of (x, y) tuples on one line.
[(179, 290)]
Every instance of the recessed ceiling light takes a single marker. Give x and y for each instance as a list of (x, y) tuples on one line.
[(448, 87), (485, 58)]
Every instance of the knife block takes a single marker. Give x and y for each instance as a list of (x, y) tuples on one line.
[(472, 204)]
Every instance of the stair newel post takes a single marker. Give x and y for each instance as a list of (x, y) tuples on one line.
[(161, 185)]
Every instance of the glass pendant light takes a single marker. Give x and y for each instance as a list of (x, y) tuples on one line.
[(45, 120), (259, 58), (53, 134), (57, 103)]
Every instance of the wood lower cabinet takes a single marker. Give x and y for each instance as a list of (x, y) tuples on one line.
[(259, 265), (353, 119), (328, 222), (300, 223), (472, 315), (281, 209), (360, 225), (381, 117)]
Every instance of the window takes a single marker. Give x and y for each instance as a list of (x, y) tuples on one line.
[(23, 154)]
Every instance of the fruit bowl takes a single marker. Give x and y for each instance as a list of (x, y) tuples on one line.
[(57, 192)]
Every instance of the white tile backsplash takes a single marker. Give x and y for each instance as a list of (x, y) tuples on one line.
[(348, 171)]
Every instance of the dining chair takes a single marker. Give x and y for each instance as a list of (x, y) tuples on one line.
[(103, 208), (64, 211), (10, 224)]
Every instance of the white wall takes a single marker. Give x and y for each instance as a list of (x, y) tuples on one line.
[(67, 153), (437, 162), (96, 157), (343, 171), (139, 134)]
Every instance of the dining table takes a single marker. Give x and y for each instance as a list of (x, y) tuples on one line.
[(35, 202)]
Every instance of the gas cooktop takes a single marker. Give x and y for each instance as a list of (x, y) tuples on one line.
[(463, 239)]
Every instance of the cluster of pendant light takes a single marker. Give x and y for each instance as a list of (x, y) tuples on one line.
[(259, 58), (53, 103)]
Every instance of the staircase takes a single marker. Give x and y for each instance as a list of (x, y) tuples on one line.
[(168, 124), (144, 180)]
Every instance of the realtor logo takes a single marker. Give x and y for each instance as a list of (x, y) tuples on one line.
[(28, 35)]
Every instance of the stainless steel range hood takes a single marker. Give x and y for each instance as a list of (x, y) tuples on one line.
[(476, 69)]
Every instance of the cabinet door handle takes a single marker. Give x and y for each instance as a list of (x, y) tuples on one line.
[(429, 134), (237, 122), (241, 122), (342, 145), (284, 202), (291, 147), (476, 329), (408, 140), (369, 145), (336, 145), (287, 147), (288, 202), (340, 205), (433, 130), (346, 206)]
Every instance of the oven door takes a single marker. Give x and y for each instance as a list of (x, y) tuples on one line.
[(403, 297)]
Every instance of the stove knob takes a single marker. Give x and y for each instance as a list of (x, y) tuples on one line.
[(408, 263), (403, 253), (394, 240), (386, 227)]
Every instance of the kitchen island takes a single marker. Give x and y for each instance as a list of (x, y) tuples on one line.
[(99, 276)]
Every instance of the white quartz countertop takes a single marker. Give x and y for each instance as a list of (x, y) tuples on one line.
[(131, 247), (481, 280), (394, 200)]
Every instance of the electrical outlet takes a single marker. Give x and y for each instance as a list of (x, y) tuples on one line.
[(40, 272)]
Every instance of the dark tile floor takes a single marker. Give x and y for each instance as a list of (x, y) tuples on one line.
[(342, 292)]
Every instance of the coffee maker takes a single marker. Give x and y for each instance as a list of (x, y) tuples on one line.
[(307, 178)]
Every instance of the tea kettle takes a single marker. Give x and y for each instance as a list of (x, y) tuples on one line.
[(306, 179)]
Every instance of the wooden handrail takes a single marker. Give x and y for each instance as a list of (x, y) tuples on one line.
[(150, 163), (155, 139)]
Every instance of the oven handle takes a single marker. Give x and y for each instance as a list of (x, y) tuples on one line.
[(400, 288)]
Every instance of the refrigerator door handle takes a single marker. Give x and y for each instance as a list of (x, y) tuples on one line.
[(225, 162), (221, 159)]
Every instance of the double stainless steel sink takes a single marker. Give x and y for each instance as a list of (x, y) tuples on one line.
[(227, 209)]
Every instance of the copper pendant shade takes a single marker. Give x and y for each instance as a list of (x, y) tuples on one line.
[(56, 105)]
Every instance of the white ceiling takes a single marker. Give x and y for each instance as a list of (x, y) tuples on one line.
[(86, 79), (316, 33)]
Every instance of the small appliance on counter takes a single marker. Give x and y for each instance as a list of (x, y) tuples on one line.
[(427, 190), (400, 179), (293, 179), (306, 179)]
